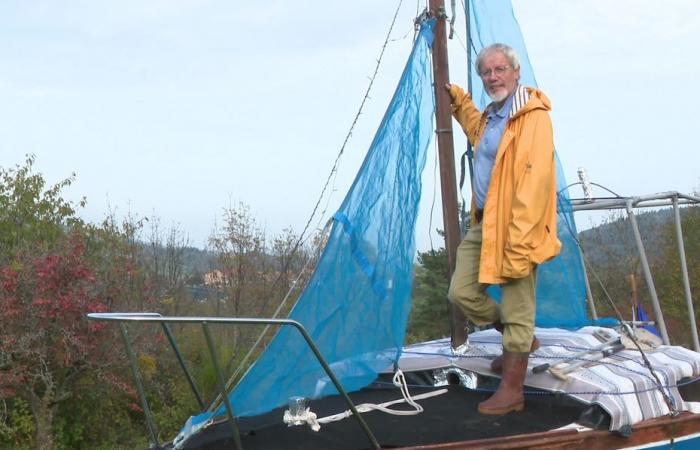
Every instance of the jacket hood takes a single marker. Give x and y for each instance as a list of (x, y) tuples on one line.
[(526, 99)]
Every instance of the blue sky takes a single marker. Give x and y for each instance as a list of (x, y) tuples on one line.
[(178, 108)]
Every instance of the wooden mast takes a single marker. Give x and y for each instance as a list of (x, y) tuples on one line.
[(448, 182)]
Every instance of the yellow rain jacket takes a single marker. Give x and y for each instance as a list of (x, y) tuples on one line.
[(520, 210)]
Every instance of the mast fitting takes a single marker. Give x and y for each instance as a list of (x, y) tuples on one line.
[(422, 17)]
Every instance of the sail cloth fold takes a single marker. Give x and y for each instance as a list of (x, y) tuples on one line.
[(356, 303), (561, 289)]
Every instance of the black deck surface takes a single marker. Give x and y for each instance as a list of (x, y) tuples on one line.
[(447, 418)]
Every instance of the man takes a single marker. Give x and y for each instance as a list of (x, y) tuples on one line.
[(513, 215)]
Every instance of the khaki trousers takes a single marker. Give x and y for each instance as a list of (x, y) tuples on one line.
[(517, 309)]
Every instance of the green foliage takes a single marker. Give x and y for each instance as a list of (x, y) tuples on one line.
[(16, 424), (171, 402), (31, 214), (94, 419), (429, 317), (54, 363), (54, 268), (613, 257), (670, 279)]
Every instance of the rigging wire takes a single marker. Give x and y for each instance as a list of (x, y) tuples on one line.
[(435, 171), (331, 176), (435, 146), (215, 404), (452, 19), (357, 116), (625, 328), (565, 188), (468, 152), (473, 47), (334, 169), (413, 30)]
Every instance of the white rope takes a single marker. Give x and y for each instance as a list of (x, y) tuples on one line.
[(306, 417), (399, 381), (309, 418)]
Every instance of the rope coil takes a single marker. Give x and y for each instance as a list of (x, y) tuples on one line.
[(399, 380)]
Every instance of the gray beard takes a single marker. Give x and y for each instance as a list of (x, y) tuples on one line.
[(499, 97)]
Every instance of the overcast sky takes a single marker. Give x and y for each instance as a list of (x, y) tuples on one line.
[(179, 108)]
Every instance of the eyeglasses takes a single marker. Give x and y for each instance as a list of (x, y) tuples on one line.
[(498, 70)]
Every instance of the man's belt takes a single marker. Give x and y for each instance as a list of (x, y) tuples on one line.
[(479, 215)]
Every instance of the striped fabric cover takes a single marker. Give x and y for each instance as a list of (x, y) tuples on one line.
[(621, 383)]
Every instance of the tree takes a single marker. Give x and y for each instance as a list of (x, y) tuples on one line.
[(254, 278), (165, 264), (612, 257), (32, 215), (670, 279), (46, 343), (429, 317), (55, 269), (290, 266), (242, 274)]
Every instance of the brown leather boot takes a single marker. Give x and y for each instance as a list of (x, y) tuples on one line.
[(497, 363), (509, 395)]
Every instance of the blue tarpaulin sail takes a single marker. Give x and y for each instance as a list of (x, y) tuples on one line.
[(356, 304)]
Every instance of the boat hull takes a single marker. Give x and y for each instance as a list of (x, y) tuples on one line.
[(680, 432)]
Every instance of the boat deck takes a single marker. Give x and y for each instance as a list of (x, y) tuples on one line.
[(620, 383), (613, 396), (451, 417)]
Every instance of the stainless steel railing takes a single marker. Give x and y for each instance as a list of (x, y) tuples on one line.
[(122, 318)]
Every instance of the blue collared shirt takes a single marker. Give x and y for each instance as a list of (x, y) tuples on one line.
[(488, 147)]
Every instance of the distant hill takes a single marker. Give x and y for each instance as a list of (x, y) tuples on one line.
[(196, 260), (612, 256), (614, 240)]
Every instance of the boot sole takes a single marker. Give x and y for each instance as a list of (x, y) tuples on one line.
[(501, 411)]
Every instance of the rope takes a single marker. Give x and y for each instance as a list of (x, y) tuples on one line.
[(308, 417), (471, 42), (399, 381)]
